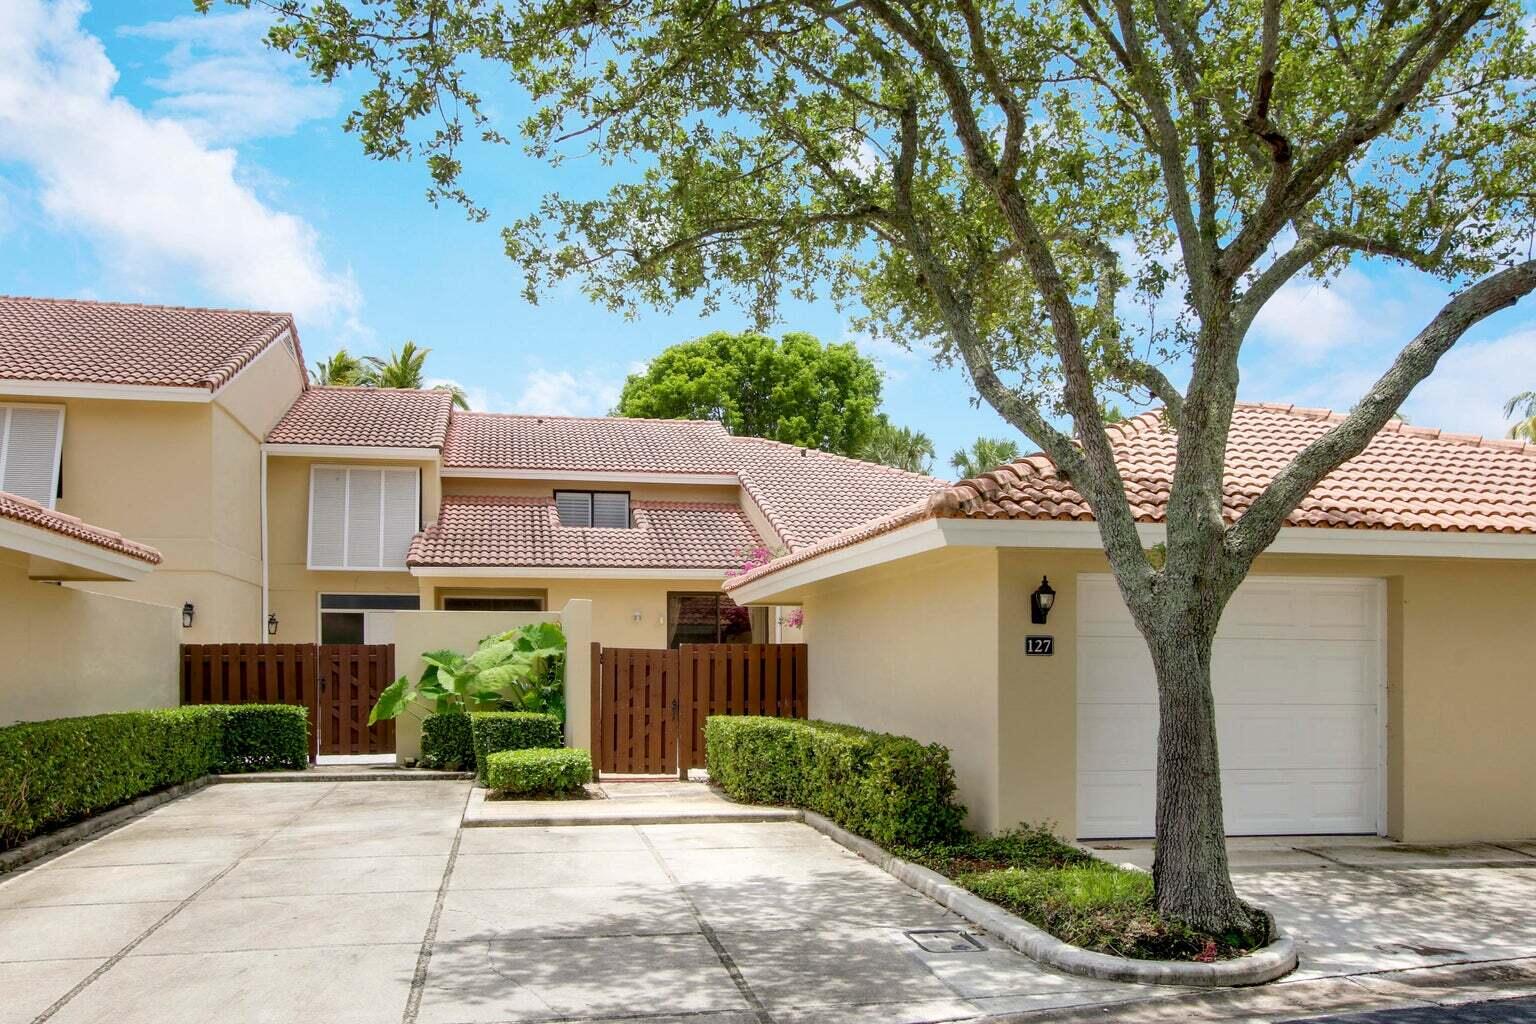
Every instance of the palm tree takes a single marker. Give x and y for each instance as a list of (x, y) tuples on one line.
[(1525, 402), (899, 447), (405, 369), (986, 453), (340, 370)]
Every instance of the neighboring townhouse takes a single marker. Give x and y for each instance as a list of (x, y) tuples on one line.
[(1375, 673), (149, 420), (523, 513), (292, 513), (63, 649)]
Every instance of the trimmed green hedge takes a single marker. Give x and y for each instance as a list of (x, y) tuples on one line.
[(64, 769), (512, 730), (447, 742), (263, 737), (891, 789), (538, 772)]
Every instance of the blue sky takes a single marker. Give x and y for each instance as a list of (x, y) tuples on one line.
[(150, 154)]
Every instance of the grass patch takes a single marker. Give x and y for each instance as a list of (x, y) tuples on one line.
[(1076, 897)]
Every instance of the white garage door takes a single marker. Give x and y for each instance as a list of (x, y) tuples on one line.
[(1298, 675)]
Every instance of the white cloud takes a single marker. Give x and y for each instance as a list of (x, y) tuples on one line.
[(563, 393), (1467, 391), (224, 84), (892, 358), (154, 198), (1308, 320)]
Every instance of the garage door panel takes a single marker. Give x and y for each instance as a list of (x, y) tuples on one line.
[(1118, 803), (1120, 672), (1100, 609), (1117, 737), (1296, 675), (1283, 736), (1294, 671)]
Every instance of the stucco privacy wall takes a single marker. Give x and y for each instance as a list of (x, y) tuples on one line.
[(419, 632), (295, 589), (1460, 674), (910, 648), (71, 652)]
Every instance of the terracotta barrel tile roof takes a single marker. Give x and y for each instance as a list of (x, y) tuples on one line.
[(366, 417), (22, 510), (806, 494), (484, 440), (1408, 478), (476, 530), (65, 340)]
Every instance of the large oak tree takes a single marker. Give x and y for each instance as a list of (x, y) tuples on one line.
[(1005, 180)]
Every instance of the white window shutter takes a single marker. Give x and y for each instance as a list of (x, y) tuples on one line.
[(575, 507), (610, 510), (31, 459), (401, 515), (365, 513), (327, 517)]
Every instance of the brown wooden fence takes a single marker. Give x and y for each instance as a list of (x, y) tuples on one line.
[(649, 706), (337, 683)]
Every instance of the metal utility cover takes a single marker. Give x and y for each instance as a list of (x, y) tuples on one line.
[(944, 940)]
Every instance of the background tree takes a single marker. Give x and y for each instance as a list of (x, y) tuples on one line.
[(1005, 179), (405, 368), (984, 453), (340, 370), (1525, 404), (899, 447), (794, 389)]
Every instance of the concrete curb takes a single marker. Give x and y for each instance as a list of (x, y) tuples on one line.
[(1273, 961), (324, 775), (476, 815), (53, 842)]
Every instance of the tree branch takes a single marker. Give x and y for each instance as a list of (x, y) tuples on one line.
[(1259, 526)]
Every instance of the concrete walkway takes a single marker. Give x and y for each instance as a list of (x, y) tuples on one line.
[(349, 903)]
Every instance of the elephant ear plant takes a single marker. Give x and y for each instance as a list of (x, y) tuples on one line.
[(523, 667)]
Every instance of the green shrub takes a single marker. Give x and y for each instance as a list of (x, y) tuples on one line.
[(538, 772), (495, 731), (263, 737), (1107, 909), (891, 789), (447, 742), (1027, 846), (58, 771)]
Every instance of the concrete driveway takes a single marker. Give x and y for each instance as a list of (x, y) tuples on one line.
[(366, 902)]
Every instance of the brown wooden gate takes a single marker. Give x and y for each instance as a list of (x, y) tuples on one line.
[(351, 678), (649, 706), (252, 674), (338, 683)]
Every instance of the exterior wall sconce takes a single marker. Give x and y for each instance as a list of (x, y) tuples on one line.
[(187, 613), (272, 624), (1041, 602)]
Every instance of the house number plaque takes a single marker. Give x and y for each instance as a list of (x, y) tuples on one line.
[(1040, 646)]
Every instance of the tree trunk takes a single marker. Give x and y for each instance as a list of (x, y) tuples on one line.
[(1189, 871)]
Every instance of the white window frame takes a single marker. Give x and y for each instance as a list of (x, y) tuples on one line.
[(58, 445), (346, 525), (321, 609)]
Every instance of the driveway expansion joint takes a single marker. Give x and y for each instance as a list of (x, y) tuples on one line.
[(429, 939)]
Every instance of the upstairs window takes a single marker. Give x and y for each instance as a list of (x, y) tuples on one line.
[(606, 509), (31, 437), (362, 518)]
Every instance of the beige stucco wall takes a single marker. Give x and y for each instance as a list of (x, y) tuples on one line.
[(71, 652), (295, 589), (1461, 679), (615, 603), (906, 648), (183, 477)]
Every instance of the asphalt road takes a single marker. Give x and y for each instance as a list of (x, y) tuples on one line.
[(1503, 1011)]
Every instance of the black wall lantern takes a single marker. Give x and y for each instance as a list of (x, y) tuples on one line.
[(187, 612), (1041, 602), (272, 624)]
